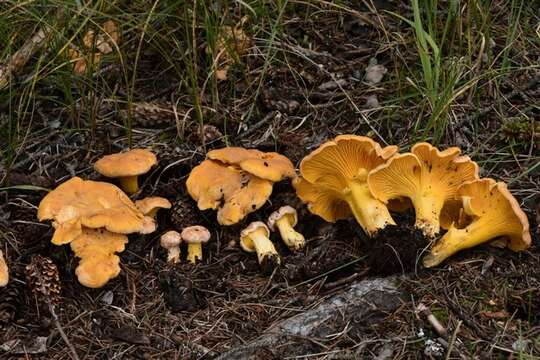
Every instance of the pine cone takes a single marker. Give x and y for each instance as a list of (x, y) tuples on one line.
[(184, 212), (151, 114), (43, 279), (10, 299)]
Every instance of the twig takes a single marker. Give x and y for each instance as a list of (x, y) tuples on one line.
[(452, 340), (435, 323), (61, 331)]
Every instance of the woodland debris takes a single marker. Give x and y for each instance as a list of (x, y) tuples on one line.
[(371, 299)]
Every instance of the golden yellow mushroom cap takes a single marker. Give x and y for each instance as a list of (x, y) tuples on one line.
[(233, 192), (4, 271), (270, 166), (130, 163), (93, 204), (151, 204), (96, 249)]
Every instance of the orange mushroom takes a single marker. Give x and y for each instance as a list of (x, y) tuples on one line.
[(495, 213), (334, 181), (126, 166), (4, 271), (270, 166), (96, 248), (93, 204), (235, 193), (427, 176)]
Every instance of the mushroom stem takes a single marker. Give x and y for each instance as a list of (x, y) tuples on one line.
[(370, 213), (263, 246), (129, 184), (194, 252), (456, 240), (173, 255), (428, 210), (293, 239)]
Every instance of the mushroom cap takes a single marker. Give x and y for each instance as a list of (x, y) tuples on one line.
[(327, 170), (151, 203), (4, 271), (270, 166), (96, 248), (170, 239), (93, 204), (492, 201), (423, 173), (424, 170), (245, 241), (235, 193), (284, 211), (130, 163), (195, 234)]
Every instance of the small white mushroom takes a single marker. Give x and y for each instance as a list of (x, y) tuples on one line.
[(171, 241), (284, 220), (255, 238), (195, 236)]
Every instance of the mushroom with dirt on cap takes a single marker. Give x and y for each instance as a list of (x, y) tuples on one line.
[(4, 271), (195, 236), (171, 241), (494, 212), (255, 238), (92, 204), (284, 219), (126, 166)]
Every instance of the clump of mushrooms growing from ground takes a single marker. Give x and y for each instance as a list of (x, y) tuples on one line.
[(94, 218), (236, 182)]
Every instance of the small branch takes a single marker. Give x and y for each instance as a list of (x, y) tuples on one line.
[(74, 355)]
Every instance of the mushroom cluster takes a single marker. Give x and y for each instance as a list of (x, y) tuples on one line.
[(236, 181), (94, 217), (353, 175)]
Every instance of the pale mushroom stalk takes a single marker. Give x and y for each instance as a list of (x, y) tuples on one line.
[(195, 236), (129, 184), (370, 213), (194, 252), (173, 255), (292, 238), (428, 211), (263, 246), (455, 240)]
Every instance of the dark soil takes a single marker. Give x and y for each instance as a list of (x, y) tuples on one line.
[(155, 310)]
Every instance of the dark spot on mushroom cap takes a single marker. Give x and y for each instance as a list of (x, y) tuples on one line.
[(265, 164)]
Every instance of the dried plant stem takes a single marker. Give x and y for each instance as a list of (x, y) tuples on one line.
[(74, 355)]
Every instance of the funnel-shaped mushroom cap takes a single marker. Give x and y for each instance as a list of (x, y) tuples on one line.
[(4, 272), (150, 205), (334, 183), (495, 213), (233, 192), (93, 204), (96, 248), (130, 163), (270, 166), (427, 176)]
